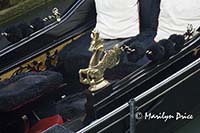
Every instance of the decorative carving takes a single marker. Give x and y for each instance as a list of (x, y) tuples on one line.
[(36, 66), (191, 32), (55, 15), (51, 60), (99, 62)]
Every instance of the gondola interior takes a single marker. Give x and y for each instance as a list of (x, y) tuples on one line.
[(40, 89)]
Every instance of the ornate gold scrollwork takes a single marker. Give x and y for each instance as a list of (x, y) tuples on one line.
[(99, 62), (35, 66)]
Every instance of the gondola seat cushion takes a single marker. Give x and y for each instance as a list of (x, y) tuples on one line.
[(27, 87)]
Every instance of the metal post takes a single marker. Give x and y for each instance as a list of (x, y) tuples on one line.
[(132, 116)]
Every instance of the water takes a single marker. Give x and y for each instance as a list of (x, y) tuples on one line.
[(41, 11)]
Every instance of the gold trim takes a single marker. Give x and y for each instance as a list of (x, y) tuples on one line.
[(39, 63)]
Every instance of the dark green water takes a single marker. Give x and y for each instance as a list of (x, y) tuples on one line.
[(41, 11)]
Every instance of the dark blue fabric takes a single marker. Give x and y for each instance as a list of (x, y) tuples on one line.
[(125, 67), (147, 39), (27, 87), (149, 11)]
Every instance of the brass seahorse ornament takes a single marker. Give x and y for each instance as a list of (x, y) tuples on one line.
[(100, 61)]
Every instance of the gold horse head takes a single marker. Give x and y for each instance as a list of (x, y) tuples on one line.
[(96, 43)]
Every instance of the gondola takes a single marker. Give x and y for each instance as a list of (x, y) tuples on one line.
[(173, 94), (51, 38), (41, 91), (36, 57)]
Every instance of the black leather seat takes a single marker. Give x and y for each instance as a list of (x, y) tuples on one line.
[(27, 87)]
